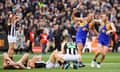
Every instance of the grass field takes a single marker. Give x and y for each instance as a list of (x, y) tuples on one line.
[(111, 64)]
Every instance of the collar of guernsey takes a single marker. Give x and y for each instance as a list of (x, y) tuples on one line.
[(71, 45), (83, 26)]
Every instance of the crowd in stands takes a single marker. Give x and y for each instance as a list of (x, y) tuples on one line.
[(47, 22)]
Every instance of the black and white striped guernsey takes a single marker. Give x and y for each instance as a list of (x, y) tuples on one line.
[(70, 48)]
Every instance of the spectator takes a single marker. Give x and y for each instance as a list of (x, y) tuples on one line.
[(35, 13), (20, 39), (50, 44), (31, 38), (57, 37), (43, 41)]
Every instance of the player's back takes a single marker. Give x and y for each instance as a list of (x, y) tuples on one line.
[(70, 48)]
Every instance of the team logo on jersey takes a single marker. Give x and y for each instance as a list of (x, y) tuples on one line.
[(103, 30), (85, 29)]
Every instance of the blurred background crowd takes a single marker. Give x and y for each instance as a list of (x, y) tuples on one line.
[(47, 22)]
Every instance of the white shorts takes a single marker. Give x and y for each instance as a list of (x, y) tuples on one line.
[(11, 38), (68, 57), (51, 65)]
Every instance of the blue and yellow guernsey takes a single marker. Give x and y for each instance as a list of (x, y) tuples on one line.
[(104, 38), (82, 33)]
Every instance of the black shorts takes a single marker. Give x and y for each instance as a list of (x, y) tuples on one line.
[(40, 64)]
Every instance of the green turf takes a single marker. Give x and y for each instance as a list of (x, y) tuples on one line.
[(111, 64)]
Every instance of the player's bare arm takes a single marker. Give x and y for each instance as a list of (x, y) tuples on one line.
[(76, 18), (113, 29)]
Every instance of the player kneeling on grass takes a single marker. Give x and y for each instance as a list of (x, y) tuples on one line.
[(103, 40), (69, 53)]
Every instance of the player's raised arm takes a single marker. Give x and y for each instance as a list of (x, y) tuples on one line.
[(75, 18), (97, 21)]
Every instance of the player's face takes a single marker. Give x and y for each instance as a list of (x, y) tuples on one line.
[(104, 17), (90, 16)]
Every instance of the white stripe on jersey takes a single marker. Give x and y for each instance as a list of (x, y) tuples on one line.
[(72, 51)]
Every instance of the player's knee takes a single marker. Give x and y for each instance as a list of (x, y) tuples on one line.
[(79, 47), (39, 57), (55, 51), (5, 55), (34, 57), (11, 48), (79, 50), (103, 54), (26, 54)]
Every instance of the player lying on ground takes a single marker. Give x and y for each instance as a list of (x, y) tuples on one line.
[(103, 40), (56, 59), (68, 53), (8, 63), (35, 62)]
